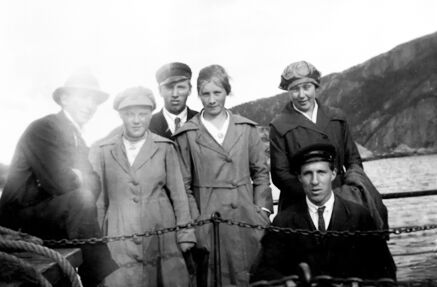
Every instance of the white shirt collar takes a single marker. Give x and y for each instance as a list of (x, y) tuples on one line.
[(169, 117), (217, 134), (327, 213), (133, 148), (313, 118), (70, 118)]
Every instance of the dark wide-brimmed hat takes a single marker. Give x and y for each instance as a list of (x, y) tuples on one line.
[(297, 73), (136, 96), (313, 153), (172, 73), (81, 82)]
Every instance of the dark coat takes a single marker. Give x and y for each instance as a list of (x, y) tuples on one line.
[(159, 126), (364, 257), (291, 131), (231, 179), (44, 197)]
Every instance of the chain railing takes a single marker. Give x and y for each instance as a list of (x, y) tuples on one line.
[(216, 220)]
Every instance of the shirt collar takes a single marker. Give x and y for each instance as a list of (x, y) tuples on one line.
[(329, 205), (313, 118), (182, 115), (70, 118)]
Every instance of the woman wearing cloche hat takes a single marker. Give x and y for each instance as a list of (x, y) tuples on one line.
[(305, 121)]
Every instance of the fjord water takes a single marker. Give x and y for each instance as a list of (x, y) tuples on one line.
[(415, 253)]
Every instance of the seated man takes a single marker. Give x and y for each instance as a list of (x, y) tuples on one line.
[(366, 257), (51, 187)]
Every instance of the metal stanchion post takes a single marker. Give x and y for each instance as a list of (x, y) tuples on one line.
[(216, 247)]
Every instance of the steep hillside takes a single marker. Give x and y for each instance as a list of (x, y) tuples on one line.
[(390, 100)]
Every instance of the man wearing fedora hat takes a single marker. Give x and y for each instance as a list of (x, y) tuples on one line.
[(174, 80), (321, 211), (51, 188)]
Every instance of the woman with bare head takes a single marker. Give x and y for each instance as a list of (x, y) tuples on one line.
[(225, 166)]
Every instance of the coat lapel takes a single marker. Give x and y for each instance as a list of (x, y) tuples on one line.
[(146, 152), (322, 121), (119, 155), (232, 135), (340, 216), (206, 140), (303, 219)]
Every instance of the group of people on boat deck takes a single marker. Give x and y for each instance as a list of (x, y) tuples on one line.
[(178, 166)]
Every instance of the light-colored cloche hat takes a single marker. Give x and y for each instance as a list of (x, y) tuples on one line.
[(81, 81), (297, 73)]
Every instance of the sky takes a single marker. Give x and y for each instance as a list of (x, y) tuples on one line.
[(124, 42)]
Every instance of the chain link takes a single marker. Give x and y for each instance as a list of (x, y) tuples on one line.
[(218, 220), (106, 239)]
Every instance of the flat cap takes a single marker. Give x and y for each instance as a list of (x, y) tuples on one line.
[(173, 72), (313, 153), (136, 96), (297, 73)]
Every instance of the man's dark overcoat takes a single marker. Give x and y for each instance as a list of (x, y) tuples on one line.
[(159, 126), (364, 257), (43, 196), (290, 131)]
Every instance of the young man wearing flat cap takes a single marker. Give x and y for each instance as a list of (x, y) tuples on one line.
[(302, 122), (51, 189), (143, 190), (366, 257), (174, 80)]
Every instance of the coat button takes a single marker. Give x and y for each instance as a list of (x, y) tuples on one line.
[(134, 182), (135, 199), (137, 239)]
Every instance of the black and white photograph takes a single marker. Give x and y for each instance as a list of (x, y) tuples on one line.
[(218, 143)]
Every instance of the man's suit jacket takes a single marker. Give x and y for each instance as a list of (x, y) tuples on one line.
[(364, 257), (43, 196), (158, 124)]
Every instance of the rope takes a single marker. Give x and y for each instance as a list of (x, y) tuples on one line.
[(19, 235), (41, 250), (23, 268)]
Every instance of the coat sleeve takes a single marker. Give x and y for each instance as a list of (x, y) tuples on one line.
[(282, 176), (97, 162), (50, 158), (186, 169), (175, 187), (372, 247), (259, 171)]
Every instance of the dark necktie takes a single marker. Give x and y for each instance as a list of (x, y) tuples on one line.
[(321, 219), (177, 124)]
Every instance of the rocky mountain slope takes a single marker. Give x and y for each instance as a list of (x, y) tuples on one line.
[(390, 100)]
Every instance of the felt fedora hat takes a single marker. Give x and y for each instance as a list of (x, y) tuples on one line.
[(81, 82)]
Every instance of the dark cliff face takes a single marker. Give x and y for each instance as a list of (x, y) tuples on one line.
[(390, 100)]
